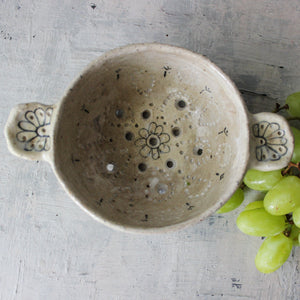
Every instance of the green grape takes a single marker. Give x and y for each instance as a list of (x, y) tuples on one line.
[(284, 197), (296, 153), (254, 205), (296, 217), (294, 235), (258, 222), (262, 181), (273, 252), (234, 202), (293, 101)]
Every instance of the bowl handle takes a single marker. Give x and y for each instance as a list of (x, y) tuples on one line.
[(271, 142), (29, 130)]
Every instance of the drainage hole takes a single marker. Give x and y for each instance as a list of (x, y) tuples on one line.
[(110, 167), (129, 136), (119, 113), (146, 114), (162, 188), (142, 167), (170, 164), (176, 131), (181, 104), (153, 141), (198, 151)]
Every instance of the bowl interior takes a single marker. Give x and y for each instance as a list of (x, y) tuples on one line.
[(151, 137)]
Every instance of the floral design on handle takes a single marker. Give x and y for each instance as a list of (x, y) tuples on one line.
[(153, 141), (35, 130), (270, 141)]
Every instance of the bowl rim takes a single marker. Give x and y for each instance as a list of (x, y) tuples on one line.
[(168, 49)]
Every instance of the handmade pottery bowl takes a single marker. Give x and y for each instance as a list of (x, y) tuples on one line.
[(150, 137)]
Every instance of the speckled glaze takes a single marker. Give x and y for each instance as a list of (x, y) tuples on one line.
[(150, 138)]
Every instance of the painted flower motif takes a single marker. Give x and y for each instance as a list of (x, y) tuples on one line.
[(270, 141), (35, 130), (153, 141)]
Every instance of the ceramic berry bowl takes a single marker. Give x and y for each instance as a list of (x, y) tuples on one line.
[(150, 138)]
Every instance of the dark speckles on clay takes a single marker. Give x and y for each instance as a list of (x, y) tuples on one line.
[(99, 202), (118, 74), (74, 160), (224, 131), (83, 108), (189, 207), (145, 218), (166, 70), (93, 5), (221, 175), (96, 123), (140, 91)]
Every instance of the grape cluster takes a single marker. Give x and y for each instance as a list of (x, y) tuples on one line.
[(276, 217)]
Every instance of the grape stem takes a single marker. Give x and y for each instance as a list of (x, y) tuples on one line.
[(242, 186), (288, 230), (289, 167), (279, 108), (293, 118), (289, 224)]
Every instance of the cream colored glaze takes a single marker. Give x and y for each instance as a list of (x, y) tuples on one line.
[(209, 156)]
